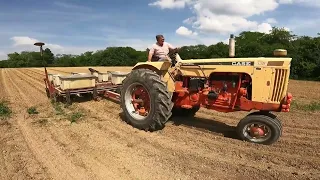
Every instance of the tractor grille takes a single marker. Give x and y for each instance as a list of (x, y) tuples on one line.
[(279, 79)]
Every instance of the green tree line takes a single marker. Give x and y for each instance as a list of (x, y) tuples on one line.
[(304, 50)]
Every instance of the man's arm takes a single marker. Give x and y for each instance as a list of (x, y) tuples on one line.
[(172, 48), (151, 52)]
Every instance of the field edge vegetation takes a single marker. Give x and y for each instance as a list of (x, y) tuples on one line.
[(303, 50)]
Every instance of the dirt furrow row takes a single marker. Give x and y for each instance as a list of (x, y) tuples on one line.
[(35, 72), (267, 154), (3, 87), (157, 148), (108, 156), (237, 150), (105, 136), (157, 145), (88, 161), (19, 161), (106, 164), (58, 70), (44, 148), (82, 159), (14, 91), (31, 74), (151, 145), (34, 83)]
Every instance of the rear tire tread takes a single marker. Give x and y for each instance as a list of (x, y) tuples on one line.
[(160, 100)]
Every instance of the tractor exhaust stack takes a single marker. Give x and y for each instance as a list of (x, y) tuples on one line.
[(231, 46)]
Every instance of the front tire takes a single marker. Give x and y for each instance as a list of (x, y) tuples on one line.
[(155, 105), (259, 128)]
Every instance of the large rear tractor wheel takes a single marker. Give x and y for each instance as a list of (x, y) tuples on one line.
[(145, 100), (260, 128)]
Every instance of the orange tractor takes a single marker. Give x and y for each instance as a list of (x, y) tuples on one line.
[(152, 91)]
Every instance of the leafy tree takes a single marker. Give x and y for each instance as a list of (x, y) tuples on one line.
[(304, 51), (48, 56), (193, 52), (218, 50)]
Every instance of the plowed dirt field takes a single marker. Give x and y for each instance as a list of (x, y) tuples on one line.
[(89, 140)]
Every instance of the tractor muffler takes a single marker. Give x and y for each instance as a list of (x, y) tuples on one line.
[(231, 46)]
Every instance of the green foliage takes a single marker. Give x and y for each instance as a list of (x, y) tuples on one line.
[(58, 108), (304, 50), (32, 110), (74, 117), (313, 106), (5, 110)]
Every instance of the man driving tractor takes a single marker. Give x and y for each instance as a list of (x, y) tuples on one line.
[(160, 50)]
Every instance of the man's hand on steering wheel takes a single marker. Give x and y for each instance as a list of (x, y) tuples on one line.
[(175, 50)]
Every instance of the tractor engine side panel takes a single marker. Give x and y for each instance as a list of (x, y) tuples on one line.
[(224, 92), (220, 91), (223, 89)]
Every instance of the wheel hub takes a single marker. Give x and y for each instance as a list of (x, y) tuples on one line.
[(257, 131), (142, 111), (137, 101)]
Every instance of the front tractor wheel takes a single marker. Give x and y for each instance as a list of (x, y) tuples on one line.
[(260, 129), (145, 100)]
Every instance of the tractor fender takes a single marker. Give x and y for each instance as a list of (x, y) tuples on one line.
[(155, 66), (160, 68)]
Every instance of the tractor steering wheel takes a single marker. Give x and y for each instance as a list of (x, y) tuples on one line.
[(172, 54)]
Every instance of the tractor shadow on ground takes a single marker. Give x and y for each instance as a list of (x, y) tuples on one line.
[(205, 125), (200, 124)]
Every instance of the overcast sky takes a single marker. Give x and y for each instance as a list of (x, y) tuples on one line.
[(76, 26)]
